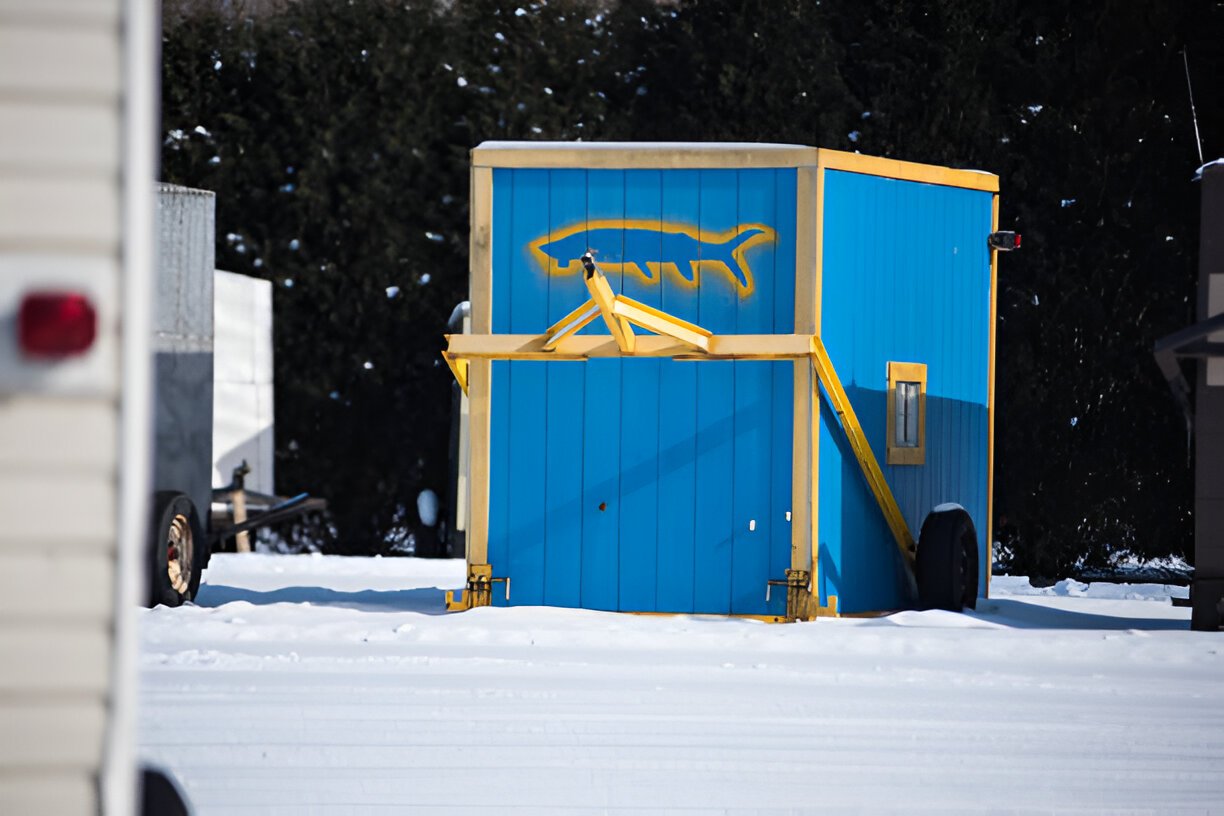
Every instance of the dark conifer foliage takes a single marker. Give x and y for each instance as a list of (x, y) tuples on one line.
[(336, 137)]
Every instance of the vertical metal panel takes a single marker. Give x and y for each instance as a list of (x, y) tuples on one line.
[(678, 422), (782, 385), (183, 343), (640, 410), (525, 397), (678, 455), (602, 430), (752, 454), (717, 311), (906, 278), (565, 409)]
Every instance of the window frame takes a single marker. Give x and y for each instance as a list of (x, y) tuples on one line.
[(906, 372)]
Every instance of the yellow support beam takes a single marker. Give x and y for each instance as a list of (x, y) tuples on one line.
[(862, 450), (458, 367), (580, 347), (570, 324), (652, 319), (605, 299)]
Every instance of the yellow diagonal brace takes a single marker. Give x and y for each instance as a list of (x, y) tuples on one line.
[(659, 322), (458, 367), (570, 324), (602, 294), (862, 450)]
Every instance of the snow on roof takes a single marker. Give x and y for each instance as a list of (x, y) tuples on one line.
[(1198, 174)]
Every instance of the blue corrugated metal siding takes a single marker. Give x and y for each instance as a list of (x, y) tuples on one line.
[(633, 484), (905, 278)]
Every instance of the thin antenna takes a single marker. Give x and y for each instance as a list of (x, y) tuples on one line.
[(1193, 115)]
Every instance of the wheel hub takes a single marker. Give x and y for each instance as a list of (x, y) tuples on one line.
[(179, 546)]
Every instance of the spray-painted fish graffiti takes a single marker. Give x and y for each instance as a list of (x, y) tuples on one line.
[(647, 247)]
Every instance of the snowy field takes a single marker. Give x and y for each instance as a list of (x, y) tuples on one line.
[(309, 684)]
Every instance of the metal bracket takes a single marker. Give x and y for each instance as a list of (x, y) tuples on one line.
[(798, 594), (479, 589), (459, 367)]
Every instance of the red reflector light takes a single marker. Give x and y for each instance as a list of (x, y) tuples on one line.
[(56, 324), (1017, 240)]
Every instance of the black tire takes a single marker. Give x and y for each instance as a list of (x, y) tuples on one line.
[(175, 528), (946, 567), (160, 795)]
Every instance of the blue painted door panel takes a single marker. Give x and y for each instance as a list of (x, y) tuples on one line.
[(643, 485)]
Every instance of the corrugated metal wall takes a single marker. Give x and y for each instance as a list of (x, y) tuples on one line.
[(60, 95), (906, 278), (642, 485)]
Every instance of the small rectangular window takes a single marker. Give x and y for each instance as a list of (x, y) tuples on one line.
[(906, 413)]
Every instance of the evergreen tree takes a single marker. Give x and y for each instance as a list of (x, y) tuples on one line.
[(337, 139)]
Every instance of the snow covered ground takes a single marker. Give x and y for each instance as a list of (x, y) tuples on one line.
[(310, 684)]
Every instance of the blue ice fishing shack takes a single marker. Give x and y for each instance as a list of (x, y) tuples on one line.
[(744, 379)]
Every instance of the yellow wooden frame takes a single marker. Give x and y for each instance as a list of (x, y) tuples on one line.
[(480, 348), (862, 451), (907, 171), (990, 397), (906, 372)]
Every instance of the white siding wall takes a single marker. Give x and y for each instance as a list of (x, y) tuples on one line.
[(60, 226), (242, 384)]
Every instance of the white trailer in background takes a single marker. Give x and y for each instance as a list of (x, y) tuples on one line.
[(77, 153), (242, 380)]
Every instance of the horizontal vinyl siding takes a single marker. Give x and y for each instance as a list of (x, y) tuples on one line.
[(60, 226), (47, 434), (43, 509), (47, 792), (88, 13), (44, 60), (58, 214), (41, 586), (43, 661), (58, 138), (66, 735)]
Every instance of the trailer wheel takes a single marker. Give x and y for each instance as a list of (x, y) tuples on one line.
[(946, 566), (177, 550)]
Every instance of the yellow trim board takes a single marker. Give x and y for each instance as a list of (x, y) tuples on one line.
[(598, 346), (862, 451), (641, 155), (907, 171), (480, 373), (646, 317), (906, 372), (990, 398), (572, 323), (805, 459)]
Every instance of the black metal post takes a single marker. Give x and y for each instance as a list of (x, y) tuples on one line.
[(1208, 592)]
